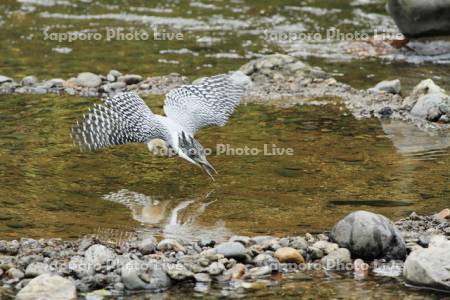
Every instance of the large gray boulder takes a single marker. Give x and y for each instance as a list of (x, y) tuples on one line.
[(418, 18), (429, 267), (369, 236)]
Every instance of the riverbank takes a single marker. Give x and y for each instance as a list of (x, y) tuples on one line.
[(278, 79), (102, 266)]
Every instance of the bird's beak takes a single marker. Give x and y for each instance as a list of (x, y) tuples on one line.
[(207, 168)]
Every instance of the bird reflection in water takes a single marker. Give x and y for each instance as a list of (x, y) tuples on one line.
[(176, 219)]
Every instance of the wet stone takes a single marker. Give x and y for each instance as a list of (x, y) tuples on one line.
[(232, 250)]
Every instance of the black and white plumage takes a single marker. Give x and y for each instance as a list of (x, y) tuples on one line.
[(125, 118)]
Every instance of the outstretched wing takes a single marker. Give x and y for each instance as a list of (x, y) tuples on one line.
[(209, 103), (122, 119)]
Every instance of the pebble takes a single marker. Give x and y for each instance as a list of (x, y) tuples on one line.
[(337, 259), (130, 79), (97, 255), (299, 243), (326, 247), (4, 79), (170, 245), (206, 243), (147, 246), (179, 272), (264, 259), (238, 271), (260, 271), (36, 269), (14, 273), (234, 250), (54, 83), (315, 253), (29, 80), (289, 255), (136, 277), (88, 79), (216, 268)]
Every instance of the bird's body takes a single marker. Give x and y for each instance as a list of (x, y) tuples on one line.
[(125, 118)]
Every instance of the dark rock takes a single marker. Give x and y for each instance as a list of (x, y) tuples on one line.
[(385, 112), (418, 18), (369, 236), (130, 79), (315, 253), (206, 243)]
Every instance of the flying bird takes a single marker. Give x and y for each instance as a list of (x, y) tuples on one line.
[(125, 118)]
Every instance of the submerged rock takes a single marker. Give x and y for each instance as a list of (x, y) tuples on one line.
[(428, 267), (49, 287), (417, 18), (369, 236)]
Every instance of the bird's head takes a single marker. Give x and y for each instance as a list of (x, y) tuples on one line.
[(193, 152)]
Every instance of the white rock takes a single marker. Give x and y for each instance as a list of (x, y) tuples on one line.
[(48, 287), (429, 267)]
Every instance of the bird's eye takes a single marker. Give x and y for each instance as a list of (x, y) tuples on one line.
[(192, 152)]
